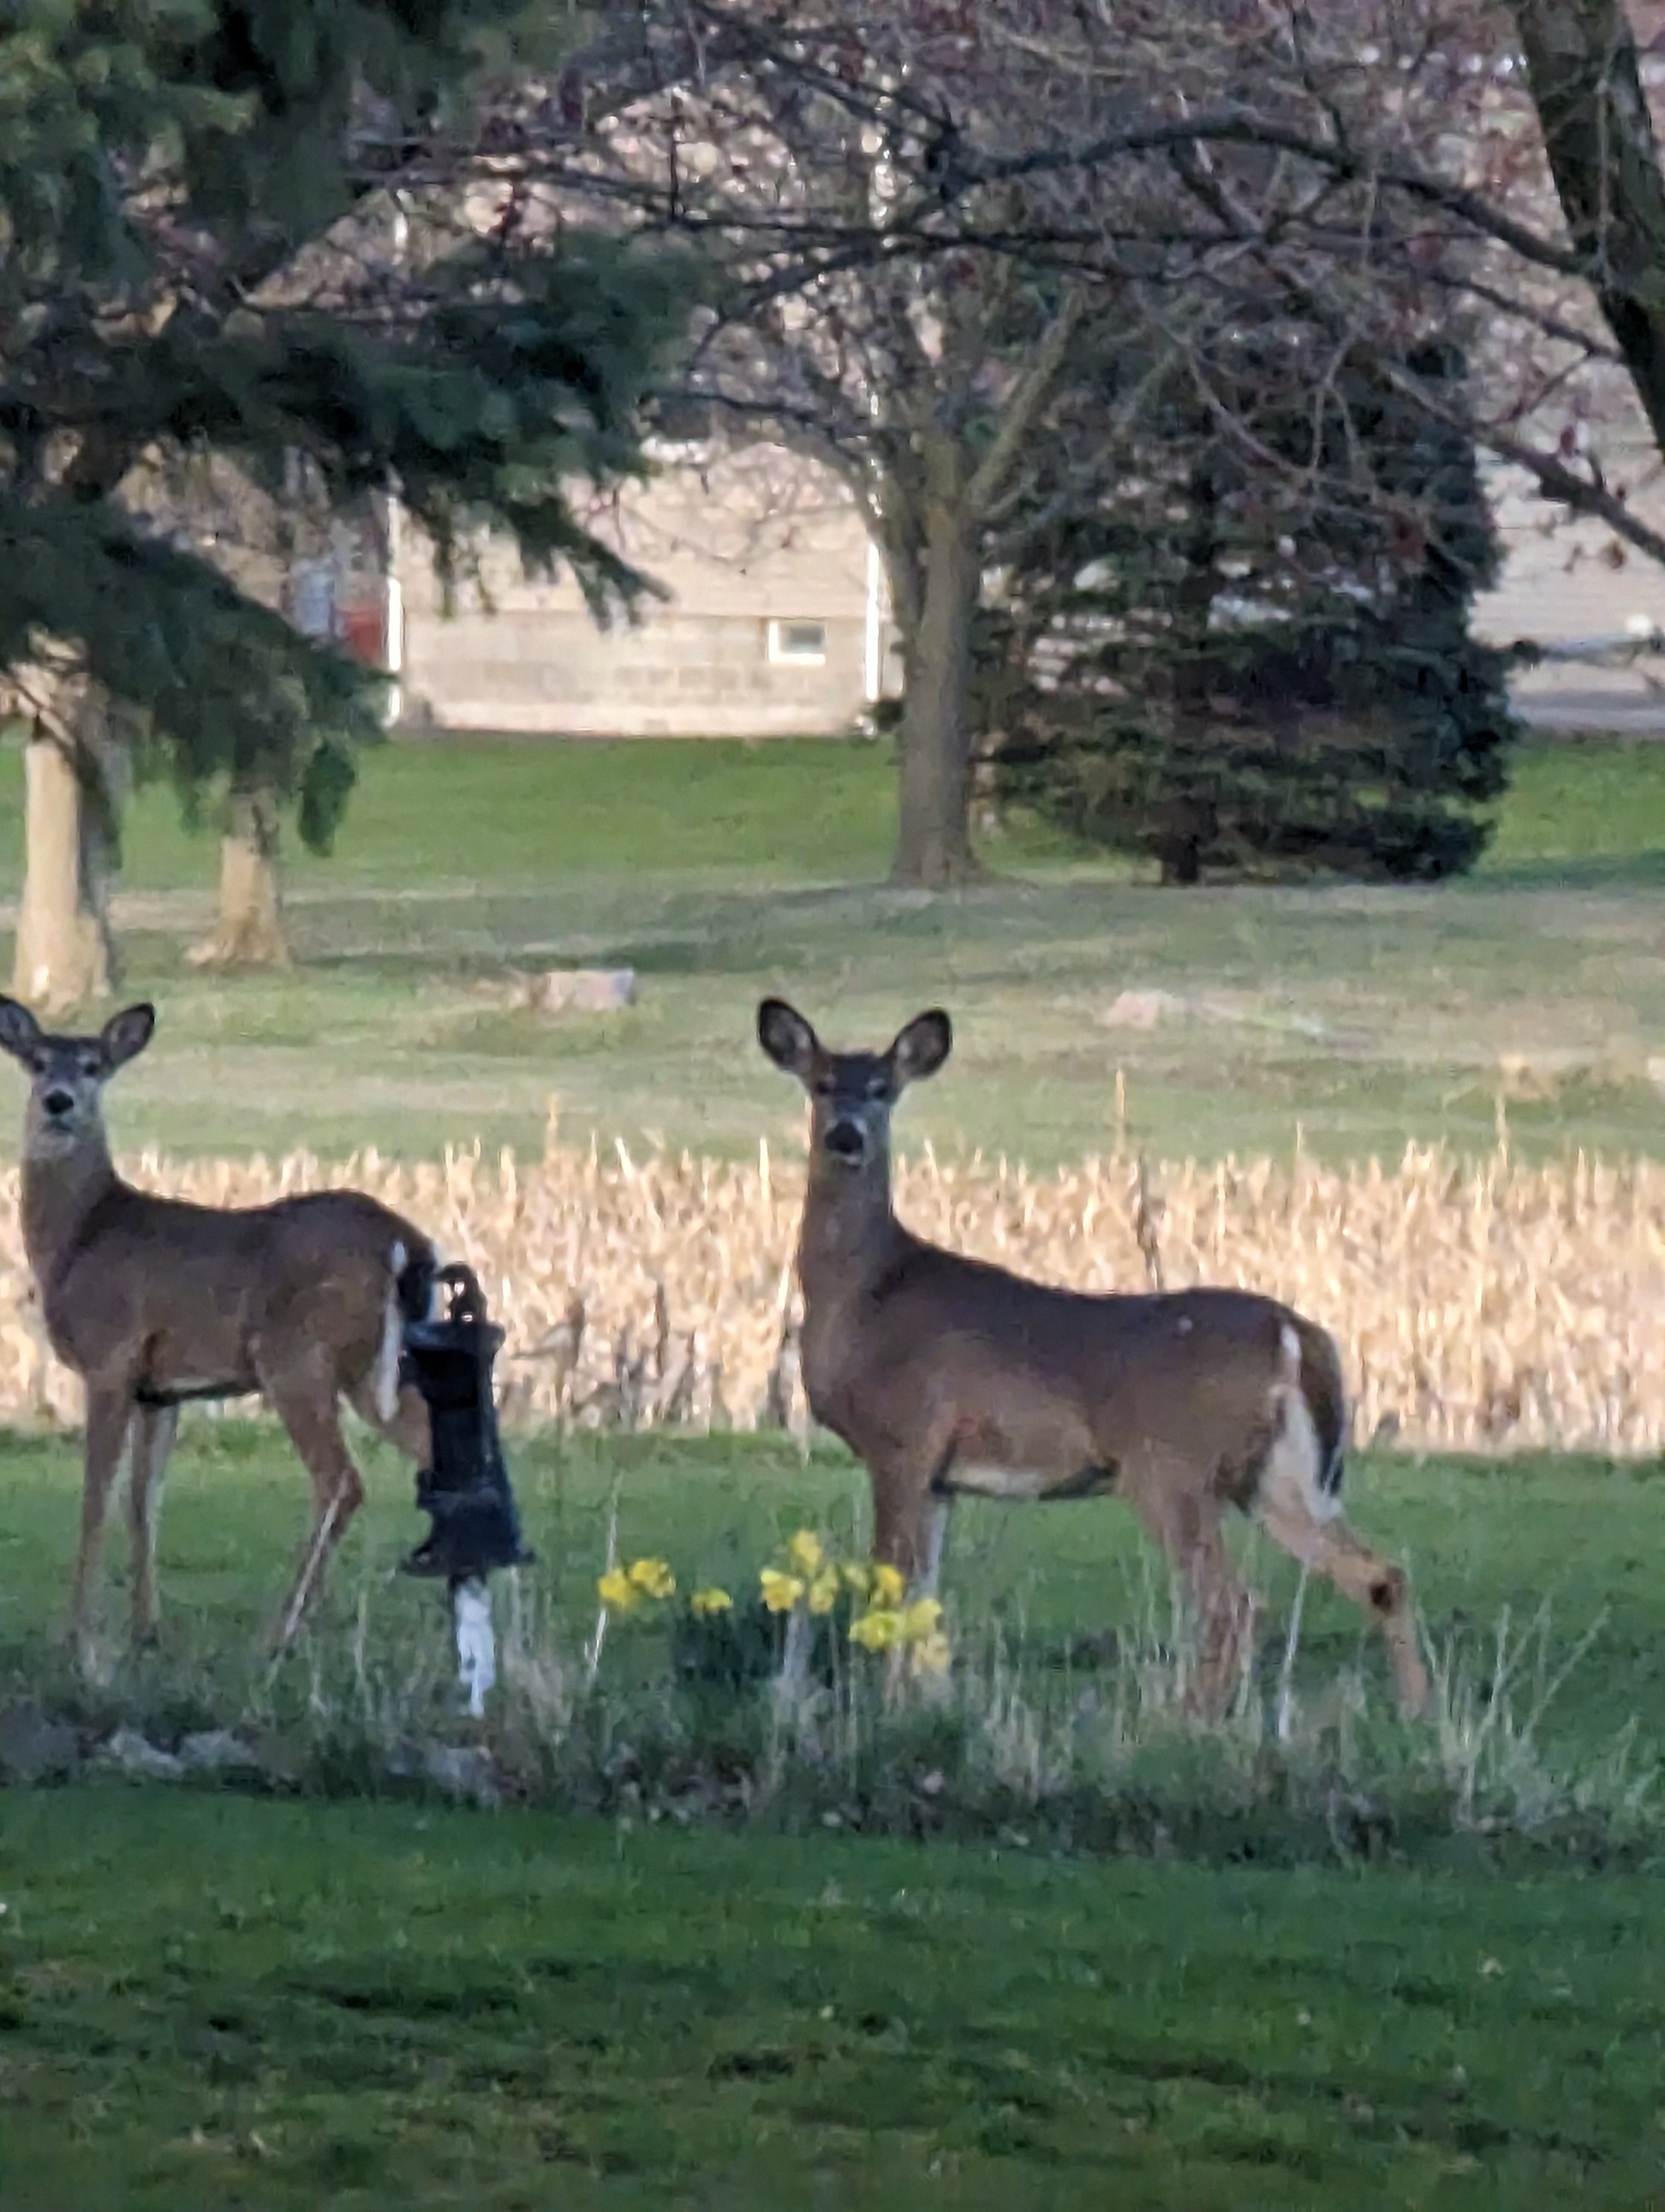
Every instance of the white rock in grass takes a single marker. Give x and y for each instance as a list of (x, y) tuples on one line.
[(464, 1771), (585, 990), (136, 1755), (33, 1748), (217, 1751), (1141, 1010), (561, 990)]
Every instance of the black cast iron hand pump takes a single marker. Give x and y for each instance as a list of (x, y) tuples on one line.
[(474, 1526)]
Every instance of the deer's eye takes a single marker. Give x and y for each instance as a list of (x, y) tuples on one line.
[(876, 1087), (89, 1066), (825, 1086)]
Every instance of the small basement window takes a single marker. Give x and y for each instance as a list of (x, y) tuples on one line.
[(801, 644)]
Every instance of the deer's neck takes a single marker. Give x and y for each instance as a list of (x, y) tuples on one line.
[(849, 1232), (59, 1191)]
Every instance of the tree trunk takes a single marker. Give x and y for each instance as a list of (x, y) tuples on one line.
[(1585, 79), (103, 766), (64, 954), (248, 928), (934, 842)]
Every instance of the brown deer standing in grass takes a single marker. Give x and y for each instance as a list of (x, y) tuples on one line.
[(152, 1301), (946, 1374)]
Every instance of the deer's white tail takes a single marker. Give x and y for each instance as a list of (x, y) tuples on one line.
[(1299, 1460), (385, 1374)]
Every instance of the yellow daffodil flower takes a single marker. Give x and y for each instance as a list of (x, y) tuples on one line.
[(705, 1602), (653, 1579), (616, 1589), (781, 1592), (879, 1630), (824, 1591), (933, 1656), (921, 1619), (888, 1584), (857, 1578), (806, 1552)]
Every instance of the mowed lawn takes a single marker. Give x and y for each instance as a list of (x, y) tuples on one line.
[(210, 2000), (223, 2003), (1365, 1017)]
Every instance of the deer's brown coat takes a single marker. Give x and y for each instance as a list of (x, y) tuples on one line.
[(153, 1301), (946, 1374)]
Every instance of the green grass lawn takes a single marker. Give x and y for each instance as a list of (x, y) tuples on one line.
[(232, 2004), (1582, 810), (1367, 1017), (217, 2001)]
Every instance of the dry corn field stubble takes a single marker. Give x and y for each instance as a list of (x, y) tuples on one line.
[(1480, 1305)]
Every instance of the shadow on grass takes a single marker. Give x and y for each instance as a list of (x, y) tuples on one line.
[(1608, 872)]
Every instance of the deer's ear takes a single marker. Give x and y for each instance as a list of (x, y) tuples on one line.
[(787, 1039), (920, 1050), (20, 1032), (125, 1035)]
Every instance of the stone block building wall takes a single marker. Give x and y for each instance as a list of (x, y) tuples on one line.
[(769, 624), (547, 669)]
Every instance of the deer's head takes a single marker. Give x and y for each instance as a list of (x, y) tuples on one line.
[(68, 1074), (852, 1093)]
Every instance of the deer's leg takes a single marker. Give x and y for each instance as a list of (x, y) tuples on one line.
[(407, 1429), (154, 1429), (909, 1524), (306, 1404), (1330, 1548), (1224, 1612), (1188, 1528), (936, 1543), (109, 1410)]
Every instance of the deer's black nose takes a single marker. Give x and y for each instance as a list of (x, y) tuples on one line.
[(58, 1102), (848, 1139)]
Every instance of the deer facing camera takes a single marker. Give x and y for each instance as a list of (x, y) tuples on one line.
[(949, 1377), (154, 1301)]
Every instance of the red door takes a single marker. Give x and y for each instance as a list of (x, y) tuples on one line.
[(364, 633)]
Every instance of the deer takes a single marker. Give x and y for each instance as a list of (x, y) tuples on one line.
[(949, 1377), (153, 1301)]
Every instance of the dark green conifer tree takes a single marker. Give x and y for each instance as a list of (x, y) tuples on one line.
[(196, 261), (1251, 651)]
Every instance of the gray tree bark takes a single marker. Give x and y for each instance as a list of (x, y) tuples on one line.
[(248, 928), (66, 952), (934, 832), (1586, 84)]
